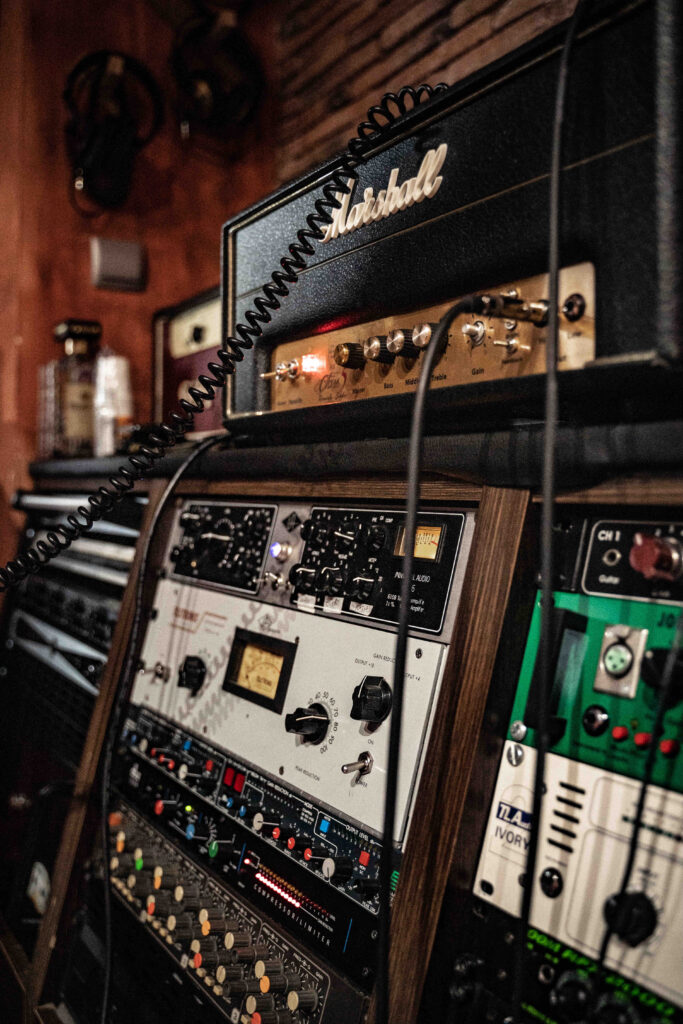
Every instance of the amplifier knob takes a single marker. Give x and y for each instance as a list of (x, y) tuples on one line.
[(280, 982), (244, 987), (377, 537), (235, 939), (184, 930), (248, 810), (250, 954), (159, 904), (349, 354), (165, 877), (268, 967), (315, 532), (371, 700), (265, 819), (305, 1001), (206, 945), (192, 673), (234, 972), (367, 886), (302, 578), (572, 996), (362, 588), (332, 580), (632, 916), (310, 723), (215, 918), (297, 843), (259, 1002), (347, 534), (283, 835), (422, 334), (656, 558), (165, 806), (338, 868), (191, 522), (400, 343), (315, 855), (181, 892), (376, 350)]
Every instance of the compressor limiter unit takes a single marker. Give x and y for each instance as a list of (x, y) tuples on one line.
[(252, 763), (615, 616)]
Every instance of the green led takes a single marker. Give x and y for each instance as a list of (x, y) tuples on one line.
[(188, 808), (138, 864), (213, 848), (394, 880)]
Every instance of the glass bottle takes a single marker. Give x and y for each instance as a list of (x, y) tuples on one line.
[(76, 370)]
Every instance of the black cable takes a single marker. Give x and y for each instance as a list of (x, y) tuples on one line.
[(160, 438), (470, 304), (119, 700), (548, 494), (667, 683)]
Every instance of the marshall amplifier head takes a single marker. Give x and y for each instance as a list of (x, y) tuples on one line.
[(453, 200)]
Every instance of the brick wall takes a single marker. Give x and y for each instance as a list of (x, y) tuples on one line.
[(338, 57)]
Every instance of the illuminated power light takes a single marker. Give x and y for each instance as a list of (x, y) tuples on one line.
[(247, 860), (275, 549), (138, 864), (188, 808), (311, 363)]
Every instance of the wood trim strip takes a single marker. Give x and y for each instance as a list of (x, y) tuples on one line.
[(452, 747)]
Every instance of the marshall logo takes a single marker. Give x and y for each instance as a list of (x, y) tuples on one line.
[(185, 614), (391, 199)]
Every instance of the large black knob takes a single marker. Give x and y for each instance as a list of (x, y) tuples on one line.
[(371, 700), (192, 673), (302, 578), (310, 723), (572, 996), (615, 1010), (631, 916)]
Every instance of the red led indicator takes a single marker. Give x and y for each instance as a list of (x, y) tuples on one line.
[(247, 860), (238, 784), (229, 776), (276, 832), (364, 858)]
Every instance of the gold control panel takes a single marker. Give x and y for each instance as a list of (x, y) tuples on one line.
[(382, 357)]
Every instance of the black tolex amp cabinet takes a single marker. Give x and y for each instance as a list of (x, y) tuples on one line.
[(454, 199)]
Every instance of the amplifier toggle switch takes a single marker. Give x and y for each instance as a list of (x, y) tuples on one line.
[(363, 765), (512, 344)]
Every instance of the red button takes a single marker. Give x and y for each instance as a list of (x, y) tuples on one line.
[(238, 784), (364, 858), (159, 807), (197, 960), (276, 832), (209, 766), (229, 776), (669, 747), (619, 733), (642, 739)]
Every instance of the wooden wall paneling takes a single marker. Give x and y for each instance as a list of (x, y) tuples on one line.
[(334, 68), (87, 769), (434, 831)]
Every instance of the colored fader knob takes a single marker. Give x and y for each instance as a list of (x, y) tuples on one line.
[(371, 700), (305, 1001), (310, 723), (268, 967), (400, 343), (632, 916), (232, 973), (236, 939), (280, 982), (376, 350), (272, 1017), (656, 558), (259, 1003), (350, 355)]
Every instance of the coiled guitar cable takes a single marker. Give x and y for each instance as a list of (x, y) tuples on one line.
[(370, 133)]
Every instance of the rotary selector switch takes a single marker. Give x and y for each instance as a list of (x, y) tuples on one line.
[(310, 723), (347, 534), (371, 700), (632, 917), (192, 674)]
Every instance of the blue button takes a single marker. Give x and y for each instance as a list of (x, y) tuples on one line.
[(324, 825), (230, 801), (189, 831)]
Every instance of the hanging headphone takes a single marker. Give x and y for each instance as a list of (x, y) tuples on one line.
[(115, 108)]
